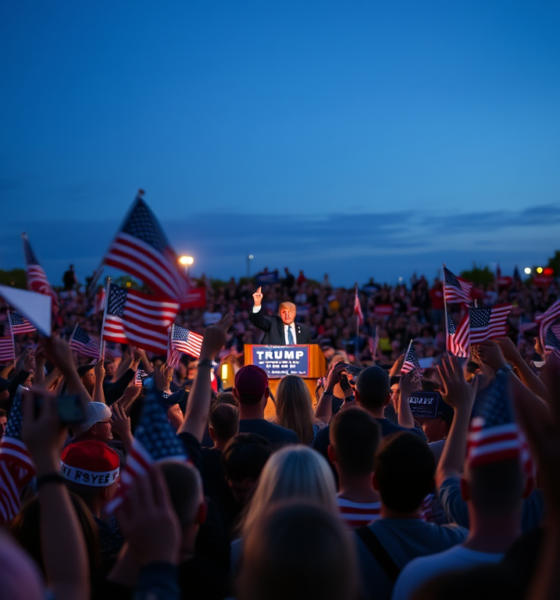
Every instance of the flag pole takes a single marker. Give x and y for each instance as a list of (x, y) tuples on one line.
[(407, 351), (445, 310), (102, 341)]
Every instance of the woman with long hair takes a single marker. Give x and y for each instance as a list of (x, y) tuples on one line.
[(294, 409)]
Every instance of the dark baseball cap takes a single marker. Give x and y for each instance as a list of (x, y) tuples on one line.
[(251, 383)]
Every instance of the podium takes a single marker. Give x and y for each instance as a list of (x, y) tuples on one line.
[(307, 361)]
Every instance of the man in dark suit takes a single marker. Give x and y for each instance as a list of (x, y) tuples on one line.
[(281, 330)]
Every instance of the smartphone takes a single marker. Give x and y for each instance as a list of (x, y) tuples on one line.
[(344, 383), (352, 370), (69, 407)]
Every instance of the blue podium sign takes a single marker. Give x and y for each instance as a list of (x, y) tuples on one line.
[(278, 361)]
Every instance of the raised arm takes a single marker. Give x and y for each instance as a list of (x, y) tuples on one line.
[(198, 406), (63, 546), (98, 395), (59, 353), (460, 396), (323, 410), (256, 315), (408, 383)]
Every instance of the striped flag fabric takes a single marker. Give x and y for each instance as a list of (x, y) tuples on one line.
[(36, 278), (488, 323), (545, 320), (357, 306), (154, 440), (85, 344), (138, 319), (458, 337), (411, 362), (113, 324), (185, 341), (7, 346), (141, 249), (20, 324), (455, 288), (551, 342), (493, 433), (139, 377), (16, 467)]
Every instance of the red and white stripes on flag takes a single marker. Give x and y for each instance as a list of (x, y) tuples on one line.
[(456, 289), (135, 318), (411, 362), (7, 346), (458, 337), (141, 249), (488, 323), (551, 314), (20, 324), (99, 304), (147, 319), (16, 467), (36, 278), (185, 341), (357, 306)]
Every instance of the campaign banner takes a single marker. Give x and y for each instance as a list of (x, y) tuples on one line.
[(196, 298), (424, 405), (384, 310), (267, 278), (278, 361)]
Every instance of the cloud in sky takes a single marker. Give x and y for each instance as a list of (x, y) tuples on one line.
[(347, 245)]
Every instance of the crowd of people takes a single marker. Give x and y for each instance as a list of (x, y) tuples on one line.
[(172, 485)]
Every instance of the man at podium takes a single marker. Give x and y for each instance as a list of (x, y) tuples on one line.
[(281, 330)]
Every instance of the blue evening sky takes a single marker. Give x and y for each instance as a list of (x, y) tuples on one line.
[(351, 137)]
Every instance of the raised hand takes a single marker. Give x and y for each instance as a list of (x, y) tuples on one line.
[(258, 296), (99, 372), (509, 350), (455, 389), (490, 353), (215, 337), (121, 425), (334, 377), (148, 520), (29, 360)]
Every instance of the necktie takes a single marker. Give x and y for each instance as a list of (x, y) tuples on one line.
[(290, 336)]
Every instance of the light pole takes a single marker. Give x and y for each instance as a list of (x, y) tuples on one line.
[(187, 261), (249, 259)]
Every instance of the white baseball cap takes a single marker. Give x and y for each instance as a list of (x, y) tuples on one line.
[(95, 412)]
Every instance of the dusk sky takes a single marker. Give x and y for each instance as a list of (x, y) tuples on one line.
[(358, 138)]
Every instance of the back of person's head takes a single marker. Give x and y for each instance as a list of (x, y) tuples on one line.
[(494, 487), (298, 551), (227, 398), (354, 435), (245, 456), (293, 407), (293, 472), (251, 385), (185, 490), (224, 421), (404, 471), (373, 388), (26, 528), (19, 577)]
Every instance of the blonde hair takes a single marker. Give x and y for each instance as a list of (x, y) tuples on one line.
[(298, 550), (293, 407), (292, 472)]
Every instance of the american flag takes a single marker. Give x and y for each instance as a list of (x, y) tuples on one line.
[(185, 341), (488, 323), (411, 362), (458, 337), (36, 278), (455, 288), (87, 345), (16, 467), (545, 320), (154, 441), (141, 249), (139, 377), (551, 342), (138, 319), (493, 433), (7, 347), (20, 324), (357, 306)]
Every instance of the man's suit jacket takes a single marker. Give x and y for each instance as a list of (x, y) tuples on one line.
[(273, 328)]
